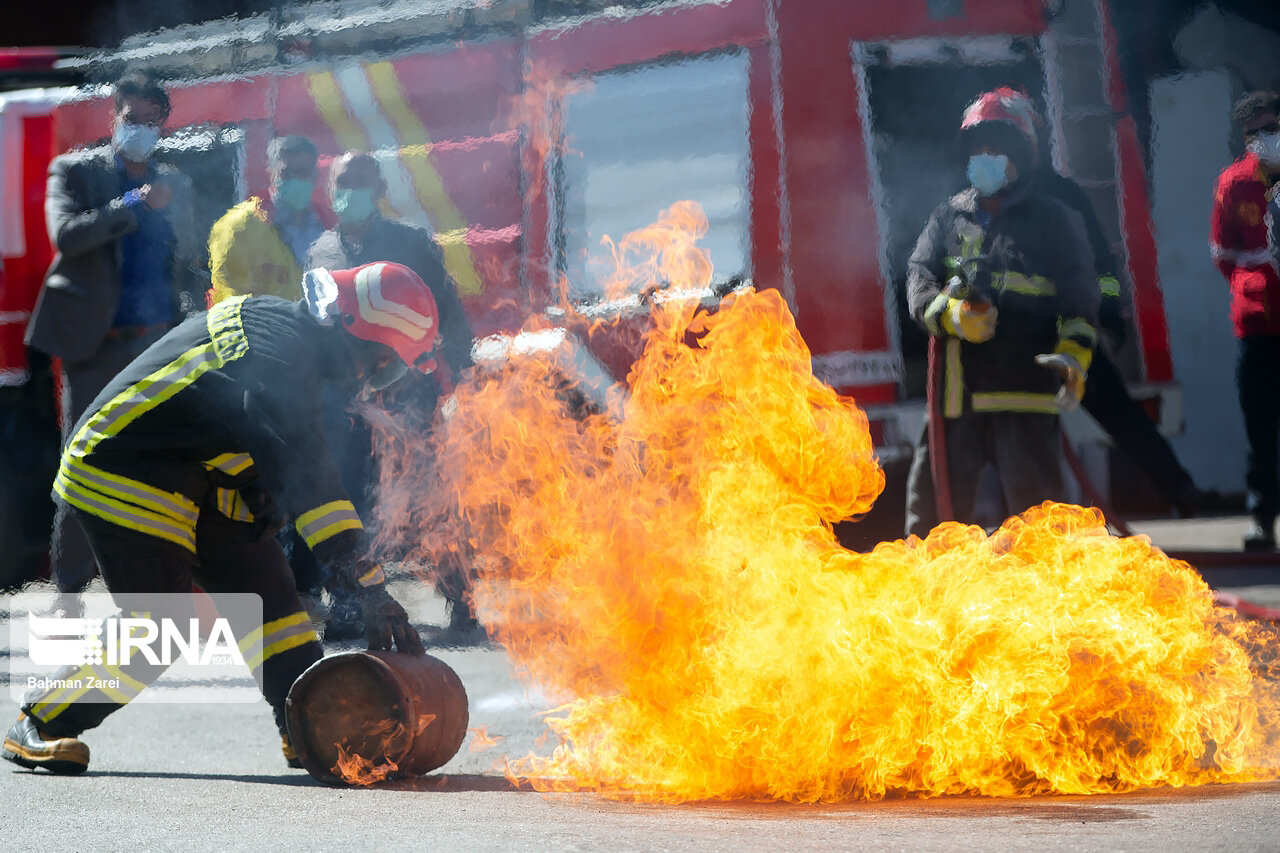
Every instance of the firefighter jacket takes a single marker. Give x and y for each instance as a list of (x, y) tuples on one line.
[(228, 400), (1243, 240), (247, 257), (1033, 263)]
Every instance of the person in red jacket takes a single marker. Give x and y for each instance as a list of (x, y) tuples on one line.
[(1244, 247)]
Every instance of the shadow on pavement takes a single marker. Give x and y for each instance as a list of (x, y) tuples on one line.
[(447, 783), (296, 780), (455, 783), (450, 783)]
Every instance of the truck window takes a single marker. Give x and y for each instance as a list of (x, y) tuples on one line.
[(638, 140)]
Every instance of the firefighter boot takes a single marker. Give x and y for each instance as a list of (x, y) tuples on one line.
[(26, 747), (290, 757)]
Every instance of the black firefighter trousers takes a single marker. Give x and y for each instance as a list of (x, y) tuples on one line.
[(1025, 450), (229, 558)]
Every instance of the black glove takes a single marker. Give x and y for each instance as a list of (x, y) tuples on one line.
[(385, 620), (1111, 319), (268, 518)]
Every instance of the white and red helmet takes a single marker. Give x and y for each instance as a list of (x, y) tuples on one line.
[(1006, 105), (381, 302)]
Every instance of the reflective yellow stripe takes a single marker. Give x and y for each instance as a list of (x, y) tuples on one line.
[(326, 521), (373, 577), (230, 504), (142, 397), (57, 695), (248, 641), (304, 636), (278, 636), (174, 505), (953, 398), (1082, 354), (230, 463), (125, 515), (427, 184), (1036, 285), (332, 530), (129, 689), (127, 502), (1077, 337), (1078, 328), (1014, 401), (61, 698), (226, 330), (1108, 285)]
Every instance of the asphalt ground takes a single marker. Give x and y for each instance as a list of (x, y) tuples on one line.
[(211, 777)]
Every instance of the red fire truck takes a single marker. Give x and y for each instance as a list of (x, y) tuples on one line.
[(815, 134)]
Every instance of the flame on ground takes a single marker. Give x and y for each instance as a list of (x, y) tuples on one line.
[(482, 740), (672, 574), (355, 769), (361, 772)]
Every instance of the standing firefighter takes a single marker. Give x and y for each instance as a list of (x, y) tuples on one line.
[(1002, 277), (177, 469)]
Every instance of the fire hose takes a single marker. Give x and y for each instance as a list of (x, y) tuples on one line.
[(964, 285), (937, 433)]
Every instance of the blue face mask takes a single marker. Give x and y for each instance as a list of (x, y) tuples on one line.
[(987, 173), (135, 142), (354, 205), (293, 194)]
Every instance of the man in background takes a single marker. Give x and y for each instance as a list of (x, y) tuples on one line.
[(123, 274), (259, 247), (1243, 243), (363, 235)]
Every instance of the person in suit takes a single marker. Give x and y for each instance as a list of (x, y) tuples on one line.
[(122, 275)]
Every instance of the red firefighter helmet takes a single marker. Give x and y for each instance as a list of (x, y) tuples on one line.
[(1007, 105), (384, 303)]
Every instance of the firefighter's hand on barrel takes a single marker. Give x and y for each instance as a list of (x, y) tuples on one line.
[(973, 321), (1072, 376), (386, 623)]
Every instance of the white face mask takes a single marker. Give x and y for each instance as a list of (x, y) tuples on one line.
[(135, 142), (1267, 147)]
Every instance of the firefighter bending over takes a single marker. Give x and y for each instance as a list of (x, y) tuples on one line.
[(185, 466), (1002, 277)]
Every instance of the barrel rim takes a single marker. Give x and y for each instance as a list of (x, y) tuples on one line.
[(293, 703)]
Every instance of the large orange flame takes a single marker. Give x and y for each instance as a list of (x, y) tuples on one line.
[(668, 568)]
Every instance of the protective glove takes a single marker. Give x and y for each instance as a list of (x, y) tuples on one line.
[(1111, 320), (1072, 376), (974, 322), (386, 621), (268, 518)]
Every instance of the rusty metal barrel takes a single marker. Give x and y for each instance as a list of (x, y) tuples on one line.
[(385, 707)]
